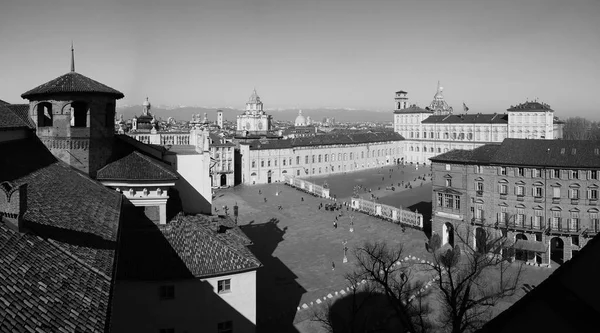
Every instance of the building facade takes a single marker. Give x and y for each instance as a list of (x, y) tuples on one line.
[(266, 161), (437, 129), (254, 120), (222, 154), (541, 194)]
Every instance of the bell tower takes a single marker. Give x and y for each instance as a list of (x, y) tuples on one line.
[(74, 118), (401, 100)]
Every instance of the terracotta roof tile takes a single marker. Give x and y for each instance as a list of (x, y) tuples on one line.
[(72, 82), (494, 118), (136, 166), (22, 111), (328, 139), (10, 119)]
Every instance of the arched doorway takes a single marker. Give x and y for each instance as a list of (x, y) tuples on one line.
[(269, 174), (480, 240), (520, 254), (253, 177), (557, 249), (223, 179), (448, 234)]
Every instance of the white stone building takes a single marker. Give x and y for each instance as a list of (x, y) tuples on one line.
[(254, 120), (437, 129)]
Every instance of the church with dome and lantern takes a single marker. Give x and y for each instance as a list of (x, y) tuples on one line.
[(255, 122), (146, 122)]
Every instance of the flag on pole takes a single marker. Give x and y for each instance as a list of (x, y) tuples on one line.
[(465, 107)]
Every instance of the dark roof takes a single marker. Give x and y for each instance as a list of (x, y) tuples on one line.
[(136, 166), (45, 288), (58, 275), (481, 154), (567, 301), (189, 247), (413, 109), (400, 91), (3, 102), (530, 106), (72, 82), (10, 119), (328, 139), (22, 111), (526, 152), (468, 119)]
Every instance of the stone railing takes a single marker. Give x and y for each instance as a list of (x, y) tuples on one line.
[(393, 214), (303, 185), (163, 139)]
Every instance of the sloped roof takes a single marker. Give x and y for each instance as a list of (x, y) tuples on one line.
[(413, 109), (9, 119), (567, 301), (44, 288), (477, 118), (72, 82), (22, 111), (136, 166), (59, 274), (328, 139), (192, 247), (530, 106), (526, 152)]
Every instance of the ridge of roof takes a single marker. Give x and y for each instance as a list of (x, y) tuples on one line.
[(72, 82), (136, 166)]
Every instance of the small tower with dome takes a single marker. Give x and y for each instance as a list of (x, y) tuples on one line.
[(439, 106), (300, 120)]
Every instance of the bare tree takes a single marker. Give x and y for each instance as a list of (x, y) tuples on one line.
[(389, 297), (578, 128), (473, 277)]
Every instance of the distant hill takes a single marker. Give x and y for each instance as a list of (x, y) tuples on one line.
[(185, 113)]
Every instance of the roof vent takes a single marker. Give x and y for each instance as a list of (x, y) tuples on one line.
[(13, 205)]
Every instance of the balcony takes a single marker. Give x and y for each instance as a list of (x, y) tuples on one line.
[(575, 201), (555, 200), (503, 196), (538, 199), (516, 225), (478, 220), (520, 197), (593, 202), (479, 193)]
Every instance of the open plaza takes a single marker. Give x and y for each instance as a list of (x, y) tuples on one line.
[(302, 252)]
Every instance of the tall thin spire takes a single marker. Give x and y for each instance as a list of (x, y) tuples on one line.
[(72, 58)]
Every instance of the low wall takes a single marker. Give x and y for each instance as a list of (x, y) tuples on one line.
[(390, 213), (303, 185)]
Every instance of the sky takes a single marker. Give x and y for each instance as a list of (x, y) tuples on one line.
[(308, 54)]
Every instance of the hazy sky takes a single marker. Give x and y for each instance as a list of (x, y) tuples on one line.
[(307, 53)]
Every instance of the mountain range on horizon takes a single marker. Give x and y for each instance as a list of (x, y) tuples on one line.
[(229, 114)]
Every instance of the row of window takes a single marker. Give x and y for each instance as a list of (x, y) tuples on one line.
[(431, 149), (534, 118), (326, 158), (79, 114), (448, 201), (552, 173)]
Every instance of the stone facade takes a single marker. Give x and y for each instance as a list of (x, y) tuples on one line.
[(254, 119), (435, 129), (265, 165), (556, 208), (223, 164)]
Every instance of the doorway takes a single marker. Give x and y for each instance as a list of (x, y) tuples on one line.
[(557, 249), (223, 179), (448, 234), (520, 254), (269, 174)]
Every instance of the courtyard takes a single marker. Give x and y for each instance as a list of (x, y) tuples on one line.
[(301, 251)]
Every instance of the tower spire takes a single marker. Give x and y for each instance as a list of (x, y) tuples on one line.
[(72, 58)]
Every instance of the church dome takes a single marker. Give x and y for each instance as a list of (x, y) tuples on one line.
[(146, 103), (300, 120)]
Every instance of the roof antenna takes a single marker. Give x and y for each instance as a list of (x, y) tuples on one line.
[(72, 57)]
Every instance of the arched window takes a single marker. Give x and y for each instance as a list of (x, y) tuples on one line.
[(254, 163), (319, 159), (268, 162), (411, 148), (332, 157), (446, 136), (79, 112), (345, 157), (339, 156), (44, 114)]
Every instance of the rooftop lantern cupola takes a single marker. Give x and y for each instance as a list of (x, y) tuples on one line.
[(439, 106), (74, 117), (254, 105)]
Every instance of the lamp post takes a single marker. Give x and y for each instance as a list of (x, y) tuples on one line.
[(345, 260), (351, 222)]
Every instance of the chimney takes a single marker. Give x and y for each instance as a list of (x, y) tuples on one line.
[(13, 205)]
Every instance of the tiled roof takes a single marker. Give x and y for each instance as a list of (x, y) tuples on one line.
[(194, 246), (9, 119), (477, 118), (3, 102), (45, 289), (413, 109), (526, 152), (481, 154), (136, 166), (567, 300), (22, 111), (72, 82), (58, 275), (530, 106), (328, 139)]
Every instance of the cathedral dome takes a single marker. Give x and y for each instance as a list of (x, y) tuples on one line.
[(300, 120), (146, 103)]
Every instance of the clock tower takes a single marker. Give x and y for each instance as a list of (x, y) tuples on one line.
[(254, 121)]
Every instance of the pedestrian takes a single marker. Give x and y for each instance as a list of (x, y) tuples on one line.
[(301, 198), (259, 192), (265, 199), (333, 266), (334, 225)]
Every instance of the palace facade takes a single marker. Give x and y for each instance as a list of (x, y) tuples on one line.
[(436, 129), (542, 194), (266, 161)]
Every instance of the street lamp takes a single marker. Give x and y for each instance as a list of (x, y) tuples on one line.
[(345, 260)]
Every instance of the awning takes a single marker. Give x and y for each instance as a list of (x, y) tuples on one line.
[(528, 245)]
